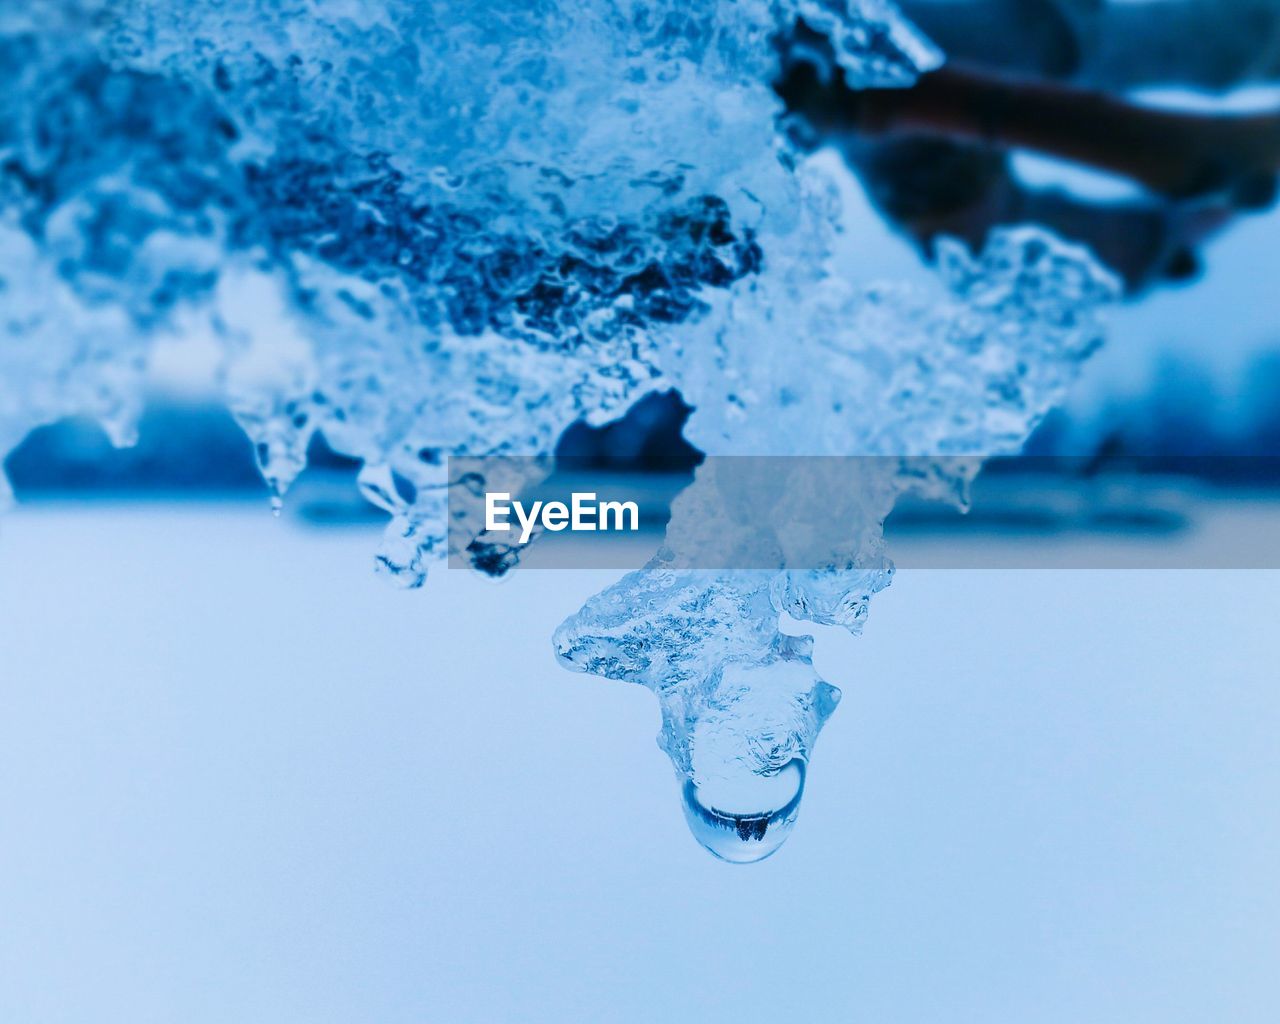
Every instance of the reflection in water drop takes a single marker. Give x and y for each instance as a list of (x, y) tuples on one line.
[(747, 821)]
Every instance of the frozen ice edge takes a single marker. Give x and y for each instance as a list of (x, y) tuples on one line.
[(402, 274)]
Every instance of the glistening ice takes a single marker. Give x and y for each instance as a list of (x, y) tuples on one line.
[(429, 229)]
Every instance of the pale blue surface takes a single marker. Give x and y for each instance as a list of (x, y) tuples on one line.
[(243, 780)]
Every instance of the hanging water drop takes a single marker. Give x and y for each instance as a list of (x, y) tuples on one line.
[(744, 821)]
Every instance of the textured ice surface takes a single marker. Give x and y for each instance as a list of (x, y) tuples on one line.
[(420, 227), (429, 228), (930, 384)]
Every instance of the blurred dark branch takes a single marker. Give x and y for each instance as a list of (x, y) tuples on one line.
[(1201, 44), (1179, 155)]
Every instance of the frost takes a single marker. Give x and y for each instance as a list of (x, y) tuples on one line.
[(428, 228)]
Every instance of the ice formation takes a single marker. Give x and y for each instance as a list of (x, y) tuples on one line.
[(923, 386), (431, 228), (419, 227)]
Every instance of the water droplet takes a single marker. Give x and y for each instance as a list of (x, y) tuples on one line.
[(745, 820)]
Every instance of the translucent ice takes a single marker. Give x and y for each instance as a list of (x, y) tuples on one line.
[(428, 228), (420, 227), (925, 386)]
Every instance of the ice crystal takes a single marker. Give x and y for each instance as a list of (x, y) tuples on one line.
[(924, 385), (427, 228), (476, 221)]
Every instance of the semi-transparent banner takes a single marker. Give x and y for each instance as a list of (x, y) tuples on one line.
[(822, 513)]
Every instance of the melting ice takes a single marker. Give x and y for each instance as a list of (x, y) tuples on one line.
[(430, 228), (927, 386)]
